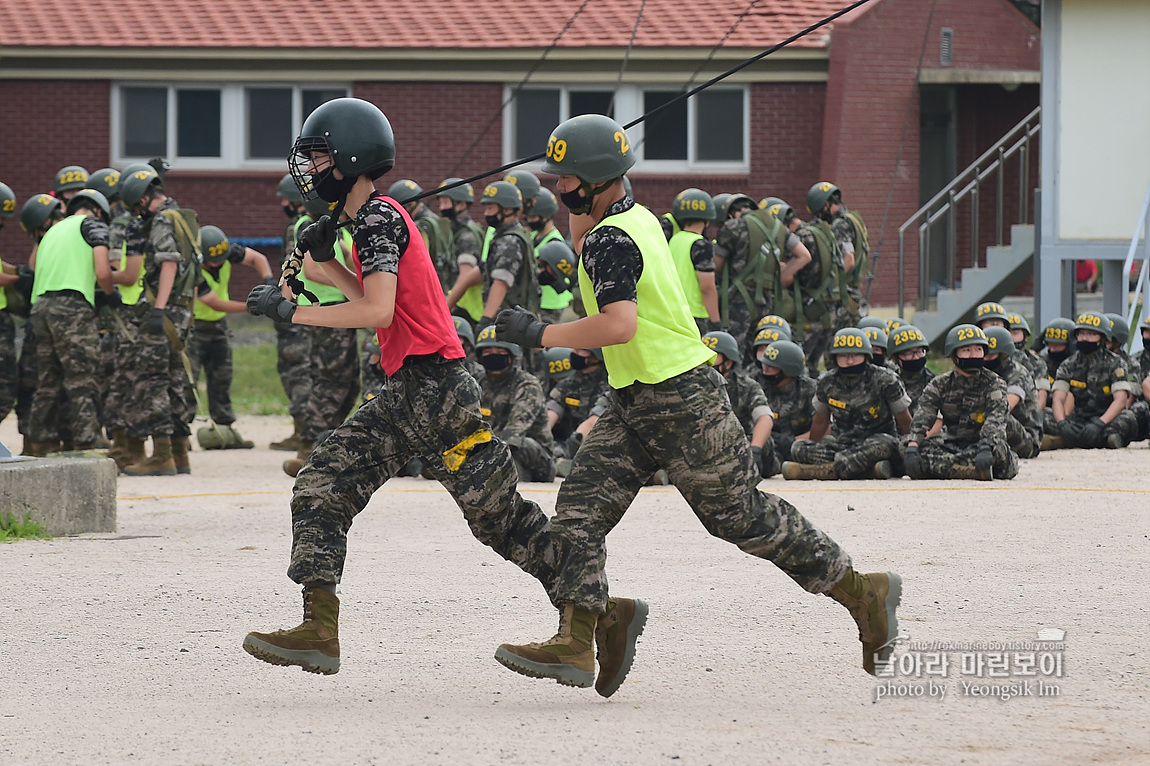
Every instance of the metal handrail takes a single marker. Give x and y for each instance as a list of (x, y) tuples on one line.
[(969, 183), (1143, 284)]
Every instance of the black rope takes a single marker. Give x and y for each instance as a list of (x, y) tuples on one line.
[(515, 92), (663, 107), (626, 57)]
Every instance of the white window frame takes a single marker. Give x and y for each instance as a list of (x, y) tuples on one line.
[(233, 123), (628, 106)]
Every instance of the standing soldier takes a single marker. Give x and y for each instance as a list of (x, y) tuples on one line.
[(293, 343), (971, 403), (748, 402), (790, 393), (69, 182), (825, 200), (862, 404), (209, 347), (164, 402), (9, 379), (554, 289), (907, 347), (509, 278), (664, 411), (71, 259), (758, 257), (826, 300), (694, 258), (1024, 423), (1092, 389), (467, 242), (514, 404), (436, 231)]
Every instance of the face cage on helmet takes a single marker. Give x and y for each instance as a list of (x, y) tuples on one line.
[(300, 163)]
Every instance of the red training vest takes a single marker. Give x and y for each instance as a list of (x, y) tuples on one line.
[(421, 323)]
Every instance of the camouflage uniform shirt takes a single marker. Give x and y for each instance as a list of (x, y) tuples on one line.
[(575, 396), (1020, 382), (860, 405), (973, 407), (747, 400), (381, 236), (512, 402), (915, 383), (505, 259), (792, 403), (1092, 380)]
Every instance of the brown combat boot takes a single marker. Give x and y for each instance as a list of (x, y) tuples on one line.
[(180, 454), (159, 464), (616, 634), (290, 444), (969, 472), (39, 449), (134, 453), (119, 448), (882, 470), (293, 465), (1052, 443), (567, 657), (802, 471), (312, 645), (872, 599)]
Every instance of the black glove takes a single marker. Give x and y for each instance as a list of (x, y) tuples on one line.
[(318, 239), (104, 299), (266, 300), (757, 454), (25, 276), (1091, 433), (270, 281), (483, 323), (1070, 433), (913, 463), (520, 326), (153, 321), (574, 442), (984, 460)]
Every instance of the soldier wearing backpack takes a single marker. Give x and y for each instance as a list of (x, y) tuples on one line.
[(168, 237), (851, 234), (826, 296), (435, 230)]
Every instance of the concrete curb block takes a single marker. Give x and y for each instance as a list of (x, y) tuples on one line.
[(67, 495)]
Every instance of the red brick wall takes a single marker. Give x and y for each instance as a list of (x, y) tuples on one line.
[(873, 96)]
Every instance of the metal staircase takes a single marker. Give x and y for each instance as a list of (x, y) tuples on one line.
[(1006, 265)]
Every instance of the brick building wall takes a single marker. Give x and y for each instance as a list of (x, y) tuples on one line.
[(873, 102)]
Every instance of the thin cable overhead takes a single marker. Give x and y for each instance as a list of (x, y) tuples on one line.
[(519, 87), (682, 96), (626, 57)]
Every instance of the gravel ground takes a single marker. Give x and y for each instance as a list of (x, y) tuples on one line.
[(125, 648)]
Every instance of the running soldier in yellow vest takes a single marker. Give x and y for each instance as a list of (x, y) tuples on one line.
[(693, 255), (71, 259), (554, 293), (666, 410), (163, 400), (209, 348)]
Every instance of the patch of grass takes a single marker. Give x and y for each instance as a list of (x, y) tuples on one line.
[(12, 529), (256, 388)]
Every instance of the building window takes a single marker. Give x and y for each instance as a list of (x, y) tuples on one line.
[(706, 133), (212, 127)]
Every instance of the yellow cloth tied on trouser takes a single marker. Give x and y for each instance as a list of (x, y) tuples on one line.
[(455, 457)]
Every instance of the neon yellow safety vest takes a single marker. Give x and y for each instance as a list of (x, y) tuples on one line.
[(549, 299), (472, 300), (329, 293), (64, 261), (205, 313), (680, 245), (130, 294), (666, 341)]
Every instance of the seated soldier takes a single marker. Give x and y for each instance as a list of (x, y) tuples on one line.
[(864, 402), (748, 402), (1092, 389), (512, 403), (572, 400), (1140, 370), (467, 339), (790, 392), (959, 429), (878, 343), (907, 346), (1024, 423), (1056, 347)]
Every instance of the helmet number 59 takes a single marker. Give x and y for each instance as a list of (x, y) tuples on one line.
[(556, 150)]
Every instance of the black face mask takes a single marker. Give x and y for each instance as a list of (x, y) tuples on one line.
[(878, 360), (773, 377), (448, 213), (993, 364), (536, 225), (575, 202), (854, 369), (495, 362), (583, 362), (494, 221), (1088, 346), (912, 365), (332, 189), (545, 278), (970, 364), (1020, 345), (1058, 356), (289, 211)]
